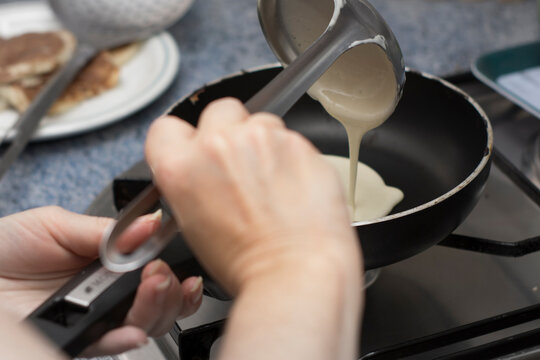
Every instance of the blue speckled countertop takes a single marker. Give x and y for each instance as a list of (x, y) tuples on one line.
[(219, 37)]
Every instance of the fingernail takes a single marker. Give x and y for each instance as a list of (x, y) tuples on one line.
[(164, 285), (157, 215), (161, 290), (142, 343), (155, 266), (153, 218), (196, 290)]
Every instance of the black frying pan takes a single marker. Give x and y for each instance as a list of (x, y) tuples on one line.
[(436, 148)]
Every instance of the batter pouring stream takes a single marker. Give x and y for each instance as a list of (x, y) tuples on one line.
[(360, 91)]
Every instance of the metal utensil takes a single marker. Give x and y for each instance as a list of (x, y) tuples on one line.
[(97, 25), (352, 22), (335, 27)]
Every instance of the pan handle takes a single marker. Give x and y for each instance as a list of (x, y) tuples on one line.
[(196, 343), (86, 307), (97, 300)]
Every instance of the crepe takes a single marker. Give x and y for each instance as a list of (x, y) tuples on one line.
[(33, 54), (100, 75)]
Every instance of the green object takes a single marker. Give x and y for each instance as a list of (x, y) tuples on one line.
[(489, 67), (509, 60)]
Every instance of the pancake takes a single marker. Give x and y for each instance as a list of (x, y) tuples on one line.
[(121, 55), (100, 75), (33, 54)]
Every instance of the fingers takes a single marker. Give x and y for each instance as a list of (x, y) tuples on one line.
[(138, 232), (77, 237), (117, 341), (160, 299), (80, 234), (192, 288), (172, 129), (166, 137), (267, 120), (170, 135), (222, 114)]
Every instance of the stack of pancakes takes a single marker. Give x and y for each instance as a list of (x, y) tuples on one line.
[(28, 61)]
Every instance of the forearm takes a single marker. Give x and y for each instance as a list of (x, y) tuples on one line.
[(303, 311)]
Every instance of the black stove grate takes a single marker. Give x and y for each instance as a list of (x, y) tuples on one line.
[(491, 350), (502, 248)]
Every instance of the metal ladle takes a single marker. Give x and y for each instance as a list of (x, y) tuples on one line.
[(335, 26), (347, 24), (97, 25)]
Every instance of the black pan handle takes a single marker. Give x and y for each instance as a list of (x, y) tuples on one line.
[(72, 320), (196, 343), (97, 300)]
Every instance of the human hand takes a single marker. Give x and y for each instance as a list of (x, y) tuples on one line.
[(41, 249), (250, 195)]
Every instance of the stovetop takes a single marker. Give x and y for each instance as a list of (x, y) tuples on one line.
[(446, 299)]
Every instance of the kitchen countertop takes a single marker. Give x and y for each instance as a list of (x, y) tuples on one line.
[(220, 37)]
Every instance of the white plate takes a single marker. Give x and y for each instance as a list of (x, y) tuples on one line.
[(142, 79)]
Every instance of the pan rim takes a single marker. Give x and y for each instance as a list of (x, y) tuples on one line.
[(479, 168)]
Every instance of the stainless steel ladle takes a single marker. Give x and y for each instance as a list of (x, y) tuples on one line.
[(343, 24), (334, 27)]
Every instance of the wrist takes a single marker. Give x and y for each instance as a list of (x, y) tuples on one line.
[(312, 299), (336, 262)]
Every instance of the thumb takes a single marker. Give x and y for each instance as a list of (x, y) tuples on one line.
[(82, 234), (76, 233)]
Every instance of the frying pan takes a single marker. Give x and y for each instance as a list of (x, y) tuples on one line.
[(436, 148)]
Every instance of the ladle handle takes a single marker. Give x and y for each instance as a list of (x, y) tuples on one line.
[(27, 123), (280, 94)]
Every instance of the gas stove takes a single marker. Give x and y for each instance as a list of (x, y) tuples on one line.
[(476, 295)]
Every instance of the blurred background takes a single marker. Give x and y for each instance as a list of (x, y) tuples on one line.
[(220, 37)]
